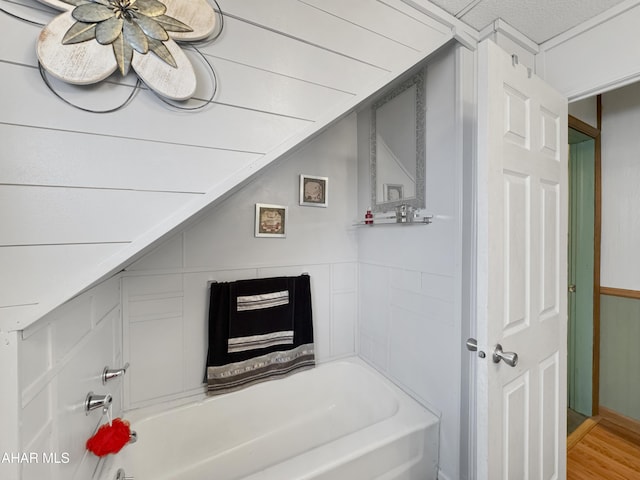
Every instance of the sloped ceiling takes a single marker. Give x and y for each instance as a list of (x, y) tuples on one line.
[(83, 195), (539, 20)]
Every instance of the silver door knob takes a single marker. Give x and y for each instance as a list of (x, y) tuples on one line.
[(572, 288), (510, 358)]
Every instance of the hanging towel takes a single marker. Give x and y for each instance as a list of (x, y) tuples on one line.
[(261, 314), (258, 330)]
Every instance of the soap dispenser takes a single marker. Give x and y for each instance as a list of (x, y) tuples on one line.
[(368, 217)]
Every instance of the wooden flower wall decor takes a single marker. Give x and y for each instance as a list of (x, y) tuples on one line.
[(94, 38)]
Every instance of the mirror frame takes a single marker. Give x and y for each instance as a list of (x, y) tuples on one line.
[(418, 201)]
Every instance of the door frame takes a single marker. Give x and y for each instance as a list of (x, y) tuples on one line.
[(594, 132)]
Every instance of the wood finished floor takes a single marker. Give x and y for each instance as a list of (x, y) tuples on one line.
[(607, 451)]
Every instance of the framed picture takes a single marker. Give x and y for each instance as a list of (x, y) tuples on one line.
[(314, 191), (393, 192), (271, 220)]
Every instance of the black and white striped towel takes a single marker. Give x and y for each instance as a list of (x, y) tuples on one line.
[(258, 329)]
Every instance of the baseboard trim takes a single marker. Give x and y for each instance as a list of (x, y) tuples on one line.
[(621, 420)]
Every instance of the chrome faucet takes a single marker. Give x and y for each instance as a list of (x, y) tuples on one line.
[(96, 401), (404, 213), (120, 475), (111, 373)]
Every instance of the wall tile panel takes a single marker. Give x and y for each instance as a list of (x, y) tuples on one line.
[(36, 357), (344, 277), (72, 322), (155, 346), (343, 323), (36, 416)]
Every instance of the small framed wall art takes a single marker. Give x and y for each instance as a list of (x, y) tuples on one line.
[(271, 220), (314, 191)]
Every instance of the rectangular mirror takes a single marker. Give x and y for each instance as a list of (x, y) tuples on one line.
[(398, 147)]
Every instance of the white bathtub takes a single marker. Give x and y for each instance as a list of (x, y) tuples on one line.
[(340, 420)]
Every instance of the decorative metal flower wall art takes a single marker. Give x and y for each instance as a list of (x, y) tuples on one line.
[(94, 38)]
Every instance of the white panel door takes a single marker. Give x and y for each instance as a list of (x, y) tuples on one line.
[(522, 271)]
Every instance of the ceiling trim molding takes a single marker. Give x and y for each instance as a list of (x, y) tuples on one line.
[(465, 39), (457, 26), (502, 27), (587, 25), (604, 88)]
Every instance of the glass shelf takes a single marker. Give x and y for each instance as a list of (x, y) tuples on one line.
[(427, 220)]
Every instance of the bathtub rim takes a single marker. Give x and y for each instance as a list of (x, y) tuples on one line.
[(401, 423), (144, 412)]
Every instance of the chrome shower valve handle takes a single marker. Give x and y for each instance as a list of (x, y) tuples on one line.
[(94, 401), (111, 373)]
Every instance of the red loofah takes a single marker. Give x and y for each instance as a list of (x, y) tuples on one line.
[(110, 438)]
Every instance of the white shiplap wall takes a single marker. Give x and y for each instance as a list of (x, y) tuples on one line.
[(82, 194)]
